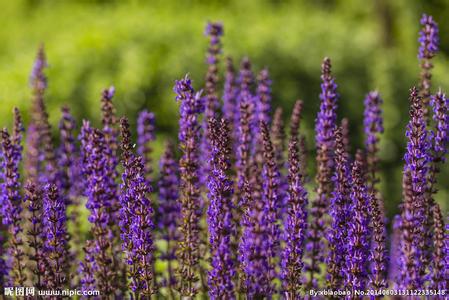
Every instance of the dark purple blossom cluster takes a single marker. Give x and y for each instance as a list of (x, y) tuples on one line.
[(226, 214)]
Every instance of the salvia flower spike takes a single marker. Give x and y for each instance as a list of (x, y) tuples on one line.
[(146, 135), (169, 212), (220, 220), (11, 209), (339, 212), (137, 213), (439, 276), (55, 238), (413, 216), (190, 198), (359, 228), (34, 199), (95, 172), (428, 47), (214, 31), (295, 225), (324, 130)]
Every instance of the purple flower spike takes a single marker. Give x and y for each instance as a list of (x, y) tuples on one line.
[(295, 119), (324, 128), (439, 275), (440, 105), (264, 96), (137, 214), (295, 225), (86, 267), (373, 127), (243, 151), (169, 213), (220, 220), (145, 135), (396, 257), (428, 38), (340, 214), (42, 162), (230, 106), (358, 231), (428, 47), (97, 180), (254, 256), (372, 121), (214, 31), (38, 80), (271, 194), (413, 216), (439, 137), (109, 121), (69, 178), (55, 238), (189, 138), (34, 200), (11, 209), (17, 132), (279, 140), (245, 95)]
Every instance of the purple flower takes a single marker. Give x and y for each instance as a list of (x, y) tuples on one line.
[(396, 257), (230, 106), (219, 214), (110, 133), (34, 200), (31, 161), (340, 213), (295, 225), (169, 212), (43, 161), (137, 213), (372, 119), (278, 138), (429, 39), (254, 256), (97, 182), (413, 216), (428, 47), (214, 31), (264, 96), (38, 80), (378, 256), (69, 178), (11, 209), (3, 265), (440, 105), (87, 267), (55, 238), (18, 130), (324, 128), (145, 135), (358, 229), (439, 270), (326, 119), (243, 151), (295, 119), (373, 126), (189, 138), (245, 95), (271, 195)]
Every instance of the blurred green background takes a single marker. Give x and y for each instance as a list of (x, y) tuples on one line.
[(141, 47)]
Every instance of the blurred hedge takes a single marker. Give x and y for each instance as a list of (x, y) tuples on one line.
[(141, 47)]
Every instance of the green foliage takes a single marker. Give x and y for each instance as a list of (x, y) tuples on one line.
[(141, 47)]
